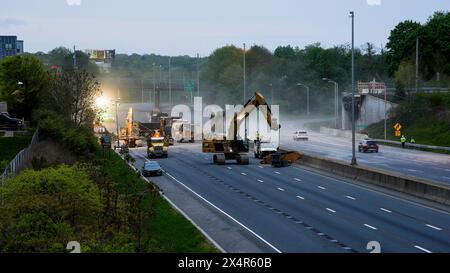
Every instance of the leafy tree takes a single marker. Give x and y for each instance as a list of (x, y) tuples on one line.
[(73, 95), (402, 42), (23, 81)]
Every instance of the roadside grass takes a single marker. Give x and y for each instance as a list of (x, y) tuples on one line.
[(167, 229), (425, 131)]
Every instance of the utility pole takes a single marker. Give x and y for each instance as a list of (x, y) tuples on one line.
[(354, 162), (385, 113), (170, 83), (142, 90), (417, 64), (245, 87), (74, 57), (307, 97), (154, 85), (198, 77)]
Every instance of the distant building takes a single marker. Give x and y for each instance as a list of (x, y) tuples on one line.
[(19, 47), (10, 46)]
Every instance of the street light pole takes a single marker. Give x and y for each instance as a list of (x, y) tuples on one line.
[(154, 84), (170, 84), (336, 91), (354, 162), (245, 87), (117, 121), (307, 98), (198, 77)]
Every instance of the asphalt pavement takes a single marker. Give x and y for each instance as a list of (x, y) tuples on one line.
[(428, 165), (294, 209)]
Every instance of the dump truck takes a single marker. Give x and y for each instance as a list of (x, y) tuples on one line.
[(157, 146), (229, 147)]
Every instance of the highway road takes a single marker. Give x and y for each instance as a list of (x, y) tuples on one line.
[(428, 165), (297, 209)]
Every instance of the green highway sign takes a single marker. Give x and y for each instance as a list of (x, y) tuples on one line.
[(189, 86)]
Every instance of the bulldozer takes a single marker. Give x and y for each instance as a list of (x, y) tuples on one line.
[(232, 148)]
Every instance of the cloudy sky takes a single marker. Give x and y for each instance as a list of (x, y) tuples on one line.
[(179, 27)]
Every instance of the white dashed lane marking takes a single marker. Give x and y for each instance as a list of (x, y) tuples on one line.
[(297, 179), (350, 197), (277, 172), (423, 249), (433, 227), (280, 189), (244, 174), (446, 177), (385, 210), (260, 181), (322, 188), (330, 210), (229, 168), (371, 227), (300, 197)]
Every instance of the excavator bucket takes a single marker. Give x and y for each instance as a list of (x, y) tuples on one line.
[(283, 159)]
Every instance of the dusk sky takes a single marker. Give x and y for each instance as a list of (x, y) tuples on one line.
[(185, 27)]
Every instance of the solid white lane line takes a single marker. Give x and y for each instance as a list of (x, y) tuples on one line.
[(330, 210), (412, 170), (386, 210), (300, 197), (433, 227), (226, 214), (280, 189), (277, 172), (243, 173), (297, 179), (423, 249), (229, 168), (322, 188), (369, 226), (350, 197)]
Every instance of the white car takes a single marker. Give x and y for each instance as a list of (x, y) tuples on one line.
[(300, 135)]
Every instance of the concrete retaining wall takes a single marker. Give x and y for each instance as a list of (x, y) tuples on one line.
[(391, 180)]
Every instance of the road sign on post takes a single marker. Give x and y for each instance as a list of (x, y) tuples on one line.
[(189, 86), (397, 126), (398, 133)]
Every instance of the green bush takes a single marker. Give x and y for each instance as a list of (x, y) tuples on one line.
[(80, 140), (43, 210)]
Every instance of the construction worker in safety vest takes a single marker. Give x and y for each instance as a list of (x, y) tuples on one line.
[(403, 141), (413, 140)]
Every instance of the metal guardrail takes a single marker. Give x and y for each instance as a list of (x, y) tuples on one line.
[(17, 164), (413, 145)]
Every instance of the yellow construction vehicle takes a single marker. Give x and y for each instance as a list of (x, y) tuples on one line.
[(232, 148), (130, 133), (157, 146)]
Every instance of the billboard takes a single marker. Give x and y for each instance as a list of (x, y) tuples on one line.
[(101, 55), (372, 87)]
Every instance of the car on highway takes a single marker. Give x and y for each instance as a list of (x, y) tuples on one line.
[(300, 135), (151, 168), (368, 145), (9, 123)]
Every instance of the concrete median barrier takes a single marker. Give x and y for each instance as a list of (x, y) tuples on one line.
[(414, 186)]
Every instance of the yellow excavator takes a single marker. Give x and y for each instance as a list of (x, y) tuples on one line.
[(130, 133), (232, 148)]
